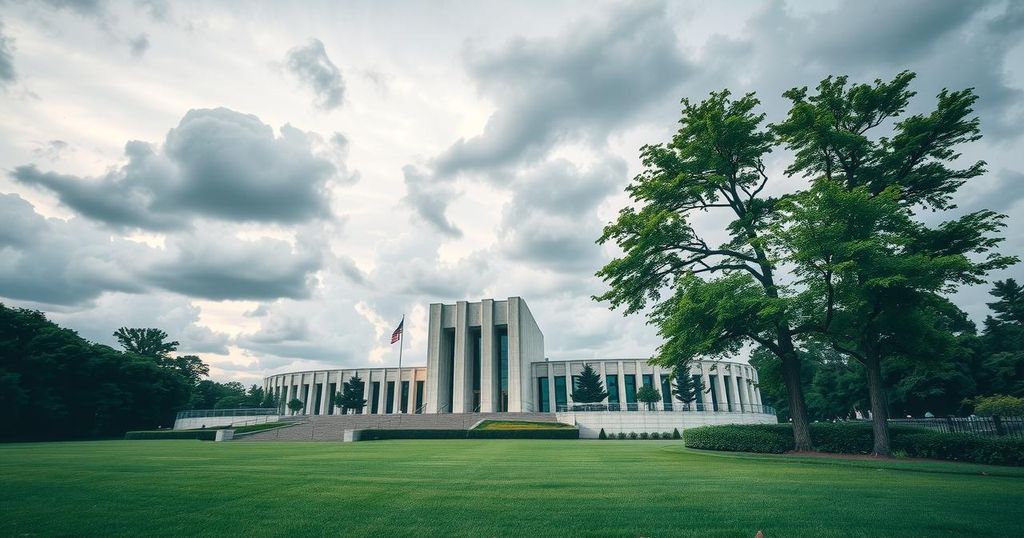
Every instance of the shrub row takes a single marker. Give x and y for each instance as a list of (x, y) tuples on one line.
[(857, 439), (642, 435), (553, 433), (202, 435)]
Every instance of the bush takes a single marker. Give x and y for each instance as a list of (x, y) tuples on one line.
[(857, 439), (667, 436), (644, 435), (632, 435), (675, 434), (655, 436), (1004, 406), (602, 435), (621, 435), (202, 435)]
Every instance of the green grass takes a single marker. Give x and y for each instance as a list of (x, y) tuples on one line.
[(521, 425), (488, 488)]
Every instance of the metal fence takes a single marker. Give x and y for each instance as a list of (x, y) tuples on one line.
[(981, 426), (247, 412), (672, 407)]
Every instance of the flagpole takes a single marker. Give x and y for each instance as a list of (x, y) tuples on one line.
[(401, 347)]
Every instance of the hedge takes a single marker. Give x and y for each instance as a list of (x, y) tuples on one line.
[(553, 433), (857, 439), (202, 435)]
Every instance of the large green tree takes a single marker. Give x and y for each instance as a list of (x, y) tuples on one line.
[(706, 298), (873, 276), (685, 386), (146, 342), (351, 396), (589, 388)]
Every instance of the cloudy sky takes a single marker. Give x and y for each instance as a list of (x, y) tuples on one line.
[(275, 186)]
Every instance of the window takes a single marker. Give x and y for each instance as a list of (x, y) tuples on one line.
[(728, 393), (375, 397), (419, 396), (449, 348), (560, 398), (389, 398), (630, 388), (700, 393), (475, 349), (611, 384), (404, 407), (713, 380), (666, 392), (319, 391), (542, 391), (502, 342), (648, 380), (331, 391)]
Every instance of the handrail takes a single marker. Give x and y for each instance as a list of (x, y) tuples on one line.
[(674, 407), (243, 412)]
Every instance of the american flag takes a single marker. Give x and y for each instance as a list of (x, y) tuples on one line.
[(395, 336)]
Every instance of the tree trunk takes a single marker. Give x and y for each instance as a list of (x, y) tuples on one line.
[(794, 386), (879, 408)]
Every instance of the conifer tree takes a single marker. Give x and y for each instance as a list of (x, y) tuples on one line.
[(589, 388), (351, 396), (684, 387)]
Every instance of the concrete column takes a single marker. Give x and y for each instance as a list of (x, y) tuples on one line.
[(515, 390), (741, 388), (568, 384), (604, 381), (705, 382), (489, 389), (462, 385), (432, 388), (723, 402), (325, 395), (551, 388), (621, 380), (311, 394), (398, 391), (382, 397)]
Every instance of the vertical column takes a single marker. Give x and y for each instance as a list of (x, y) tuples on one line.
[(705, 381), (604, 381), (568, 384), (723, 403), (515, 389), (551, 388), (325, 397), (310, 393), (432, 400), (621, 379), (398, 391), (382, 394), (489, 393), (461, 400), (737, 405)]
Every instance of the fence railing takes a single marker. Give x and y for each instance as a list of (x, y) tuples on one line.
[(246, 412), (981, 426), (671, 407)]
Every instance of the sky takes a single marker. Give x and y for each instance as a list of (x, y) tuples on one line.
[(276, 184)]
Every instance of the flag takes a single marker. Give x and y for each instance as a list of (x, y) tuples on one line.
[(398, 332)]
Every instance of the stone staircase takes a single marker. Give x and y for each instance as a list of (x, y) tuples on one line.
[(332, 427)]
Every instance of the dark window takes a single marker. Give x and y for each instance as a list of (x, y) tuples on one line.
[(700, 393), (542, 390), (419, 396), (611, 384), (389, 398), (449, 335), (713, 380), (405, 397), (502, 342), (666, 392), (728, 393), (330, 398), (319, 398), (575, 382), (648, 380), (375, 397), (560, 398), (630, 388), (475, 349)]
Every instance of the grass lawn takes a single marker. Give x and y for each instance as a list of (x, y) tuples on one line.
[(488, 488), (522, 425)]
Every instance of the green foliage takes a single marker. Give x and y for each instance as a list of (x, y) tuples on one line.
[(648, 395), (685, 386), (842, 438), (620, 435), (147, 342), (675, 434), (602, 435), (351, 395), (201, 435), (589, 388), (1004, 406), (56, 385), (633, 435), (1010, 306), (644, 435), (295, 405)]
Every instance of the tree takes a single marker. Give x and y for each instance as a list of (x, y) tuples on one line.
[(1006, 406), (589, 388), (1010, 306), (684, 386), (295, 405), (873, 276), (190, 366), (715, 163), (147, 342), (269, 401), (351, 396), (648, 395)]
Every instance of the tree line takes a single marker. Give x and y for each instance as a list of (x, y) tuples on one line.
[(54, 384), (842, 271)]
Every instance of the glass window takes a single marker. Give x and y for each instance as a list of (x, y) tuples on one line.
[(542, 391), (700, 393), (713, 379), (503, 365), (611, 384), (648, 380), (666, 392), (630, 388), (419, 396), (405, 397), (560, 397), (375, 397), (389, 398)]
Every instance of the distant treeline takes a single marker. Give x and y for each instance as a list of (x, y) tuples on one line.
[(54, 384)]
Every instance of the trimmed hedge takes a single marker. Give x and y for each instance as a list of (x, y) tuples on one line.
[(553, 433), (202, 435), (857, 439)]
